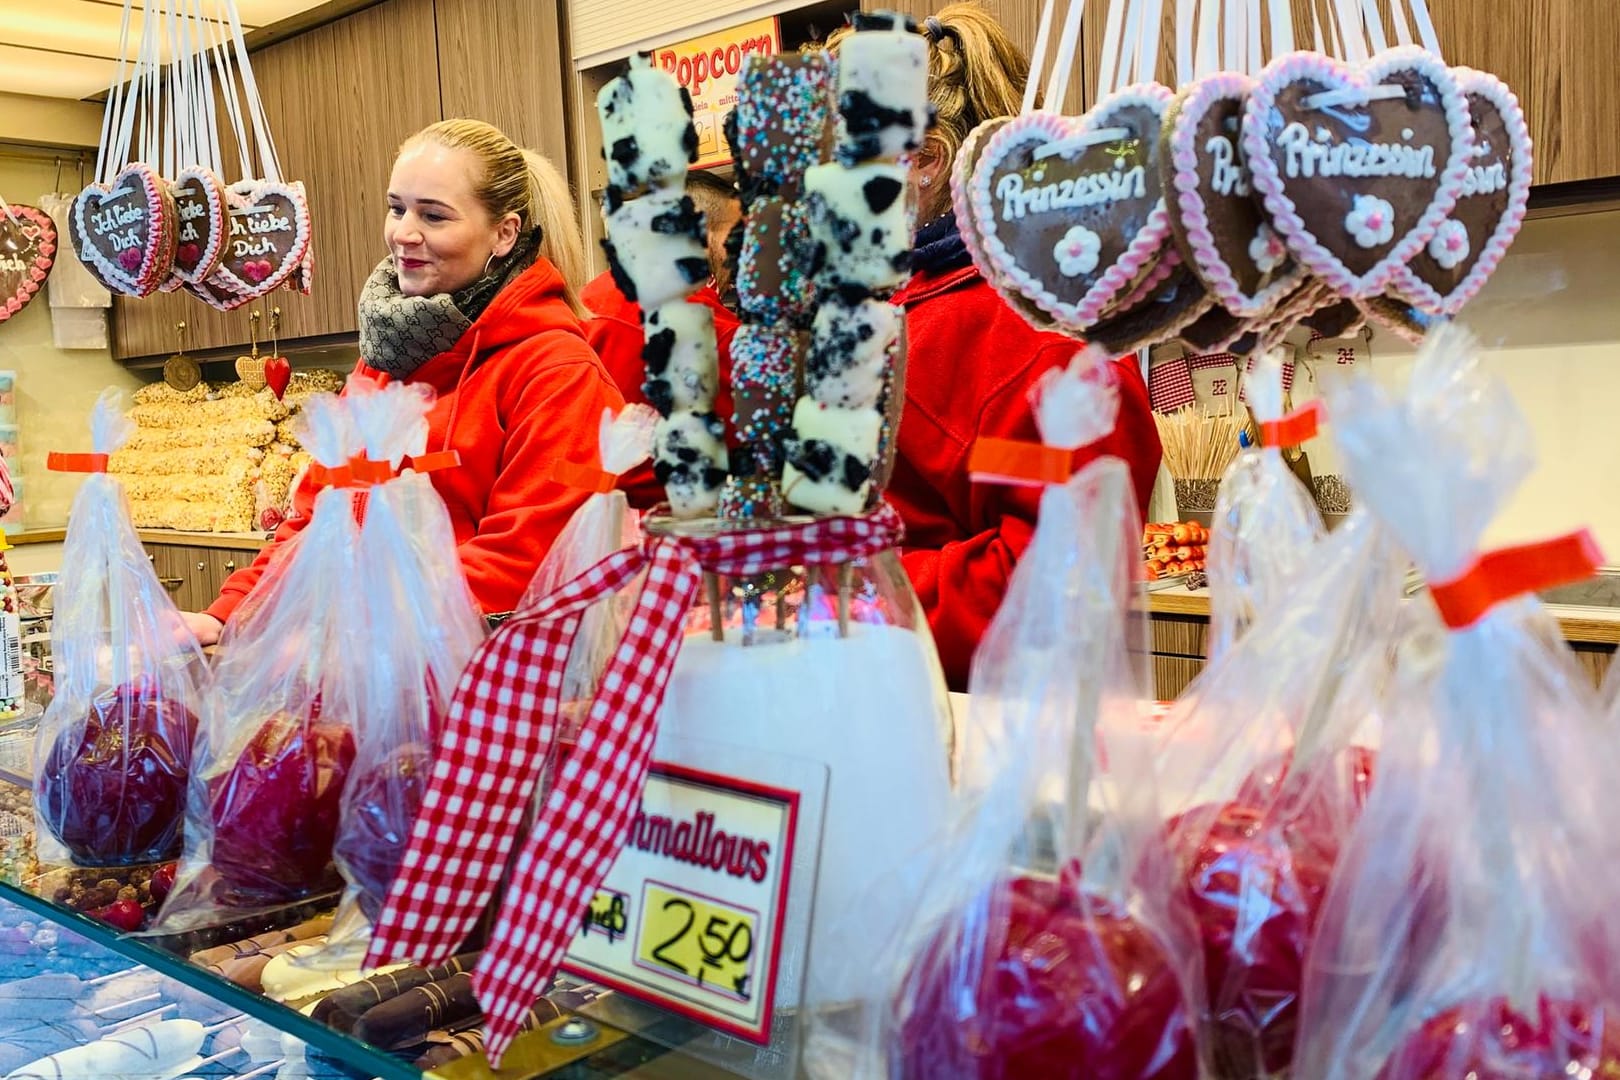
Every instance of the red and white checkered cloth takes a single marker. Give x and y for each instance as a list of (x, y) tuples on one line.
[(502, 723), (1170, 385), (1287, 378)]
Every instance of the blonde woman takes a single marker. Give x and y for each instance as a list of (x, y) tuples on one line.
[(476, 299)]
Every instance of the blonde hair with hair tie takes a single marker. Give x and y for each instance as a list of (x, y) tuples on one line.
[(521, 182)]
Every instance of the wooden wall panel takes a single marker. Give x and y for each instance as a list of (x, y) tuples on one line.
[(504, 62)]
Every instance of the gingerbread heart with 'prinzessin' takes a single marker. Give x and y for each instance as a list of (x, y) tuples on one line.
[(125, 230), (1216, 221), (1469, 243), (27, 252), (268, 237), (201, 224), (1357, 167), (1069, 211)]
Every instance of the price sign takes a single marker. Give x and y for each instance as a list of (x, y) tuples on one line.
[(707, 68), (691, 917)]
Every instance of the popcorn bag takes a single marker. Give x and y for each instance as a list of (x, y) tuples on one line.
[(1470, 929), (1044, 943), (1265, 522), (277, 740), (421, 626), (114, 750), (1264, 764)]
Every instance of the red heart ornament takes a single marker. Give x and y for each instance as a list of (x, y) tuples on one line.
[(26, 250), (199, 210), (1216, 221), (269, 236), (1070, 211), (277, 373), (1358, 167), (124, 231), (1471, 241)]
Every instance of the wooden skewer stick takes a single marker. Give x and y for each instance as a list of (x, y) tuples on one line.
[(99, 979), (846, 588), (717, 615)]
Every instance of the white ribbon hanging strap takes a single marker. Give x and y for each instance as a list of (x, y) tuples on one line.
[(1186, 15), (1037, 61), (1373, 20), (1063, 65), (118, 156), (1425, 25), (227, 87), (111, 116), (269, 164), (1207, 54), (1113, 35), (1147, 50), (1282, 28), (171, 90)]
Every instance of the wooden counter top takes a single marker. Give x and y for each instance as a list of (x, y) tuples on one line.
[(1583, 625)]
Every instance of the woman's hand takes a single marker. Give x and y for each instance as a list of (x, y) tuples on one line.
[(203, 626)]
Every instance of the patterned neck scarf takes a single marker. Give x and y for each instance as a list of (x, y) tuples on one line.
[(400, 333)]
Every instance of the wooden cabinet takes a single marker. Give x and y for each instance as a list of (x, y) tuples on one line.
[(504, 62), (194, 569), (339, 99)]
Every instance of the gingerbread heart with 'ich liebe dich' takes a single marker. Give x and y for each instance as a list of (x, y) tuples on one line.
[(268, 237), (1357, 167), (1069, 212), (1470, 242), (27, 252), (1215, 219), (201, 224), (124, 230)]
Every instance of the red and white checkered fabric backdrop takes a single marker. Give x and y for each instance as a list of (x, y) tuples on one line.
[(502, 725)]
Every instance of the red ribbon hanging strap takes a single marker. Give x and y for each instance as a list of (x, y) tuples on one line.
[(79, 463), (508, 704), (434, 462), (1511, 572), (1019, 463), (582, 477), (1297, 427)]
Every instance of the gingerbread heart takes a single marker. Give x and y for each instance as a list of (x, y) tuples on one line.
[(967, 159), (1070, 211), (27, 253), (1175, 301), (268, 237), (125, 230), (1464, 251), (1216, 221), (201, 222), (216, 293), (1357, 167)]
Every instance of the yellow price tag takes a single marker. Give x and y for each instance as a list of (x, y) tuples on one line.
[(698, 940)]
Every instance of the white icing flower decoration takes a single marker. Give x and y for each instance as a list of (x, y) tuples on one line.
[(1266, 250), (1450, 244), (1077, 253), (1371, 221)]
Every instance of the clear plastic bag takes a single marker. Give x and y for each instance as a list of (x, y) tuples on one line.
[(1265, 524), (1470, 929), (602, 525), (1264, 764), (1045, 946), (277, 740), (421, 626), (113, 751)]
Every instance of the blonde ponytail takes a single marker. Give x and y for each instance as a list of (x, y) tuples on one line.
[(551, 207)]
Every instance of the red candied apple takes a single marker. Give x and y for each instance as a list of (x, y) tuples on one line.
[(113, 788), (381, 808), (123, 915), (1491, 1041), (1255, 894), (275, 811), (163, 882), (1265, 783), (1073, 989)]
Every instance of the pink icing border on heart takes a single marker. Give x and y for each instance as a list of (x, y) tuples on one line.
[(154, 267), (1184, 151), (32, 279), (1149, 241), (1406, 281), (961, 201), (1268, 181), (214, 194)]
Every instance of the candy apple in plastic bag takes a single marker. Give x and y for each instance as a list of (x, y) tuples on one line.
[(113, 753), (1470, 928)]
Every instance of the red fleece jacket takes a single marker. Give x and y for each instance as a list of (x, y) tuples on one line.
[(615, 334), (520, 390), (971, 363)]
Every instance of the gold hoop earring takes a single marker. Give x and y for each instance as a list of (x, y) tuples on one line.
[(489, 262)]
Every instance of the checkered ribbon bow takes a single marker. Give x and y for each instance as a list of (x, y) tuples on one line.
[(502, 724)]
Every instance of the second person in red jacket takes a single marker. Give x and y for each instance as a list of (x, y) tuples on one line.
[(970, 364), (476, 299)]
